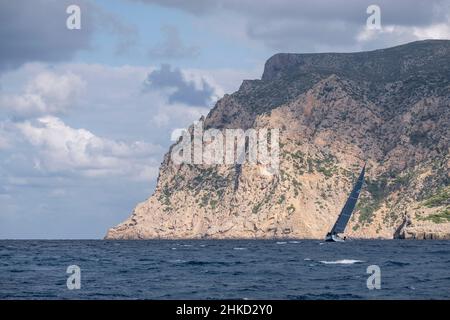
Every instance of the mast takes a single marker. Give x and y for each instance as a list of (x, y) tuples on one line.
[(346, 212)]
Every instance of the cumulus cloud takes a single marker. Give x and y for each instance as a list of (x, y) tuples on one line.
[(172, 46), (62, 148), (119, 101), (179, 89), (45, 93)]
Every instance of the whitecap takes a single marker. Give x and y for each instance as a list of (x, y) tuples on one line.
[(281, 242), (307, 259), (343, 261), (294, 242), (177, 261), (239, 248)]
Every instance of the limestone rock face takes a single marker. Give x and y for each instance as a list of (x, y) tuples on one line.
[(389, 108)]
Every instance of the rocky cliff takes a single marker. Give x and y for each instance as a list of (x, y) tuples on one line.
[(335, 111)]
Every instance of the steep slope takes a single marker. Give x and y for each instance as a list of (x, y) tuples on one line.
[(335, 111)]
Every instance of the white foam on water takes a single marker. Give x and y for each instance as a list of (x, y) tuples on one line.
[(239, 248), (281, 242), (343, 261), (307, 259), (177, 261), (294, 242)]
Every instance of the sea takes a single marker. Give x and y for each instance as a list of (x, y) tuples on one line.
[(224, 269)]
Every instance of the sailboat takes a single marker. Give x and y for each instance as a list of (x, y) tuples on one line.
[(346, 212)]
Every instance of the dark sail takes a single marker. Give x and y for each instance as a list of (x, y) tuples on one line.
[(349, 206)]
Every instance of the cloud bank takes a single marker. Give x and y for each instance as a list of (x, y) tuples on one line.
[(321, 25)]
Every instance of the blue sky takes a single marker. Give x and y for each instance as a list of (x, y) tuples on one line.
[(86, 115)]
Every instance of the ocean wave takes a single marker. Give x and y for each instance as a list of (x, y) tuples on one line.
[(343, 261), (239, 248), (397, 263), (281, 242)]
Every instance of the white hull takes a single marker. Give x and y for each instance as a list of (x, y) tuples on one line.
[(333, 238)]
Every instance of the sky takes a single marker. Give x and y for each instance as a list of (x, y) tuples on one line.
[(86, 115)]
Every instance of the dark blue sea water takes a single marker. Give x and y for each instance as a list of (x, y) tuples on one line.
[(224, 269)]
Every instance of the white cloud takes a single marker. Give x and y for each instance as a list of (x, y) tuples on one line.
[(62, 148), (367, 34), (45, 93), (167, 115), (435, 31), (401, 34)]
